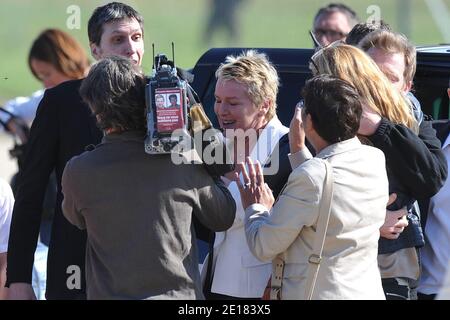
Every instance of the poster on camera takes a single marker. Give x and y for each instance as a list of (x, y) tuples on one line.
[(169, 113)]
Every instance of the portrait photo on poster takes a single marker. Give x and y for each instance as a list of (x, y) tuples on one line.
[(168, 109)]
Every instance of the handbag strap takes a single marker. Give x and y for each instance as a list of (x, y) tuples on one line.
[(277, 277), (321, 231), (316, 256)]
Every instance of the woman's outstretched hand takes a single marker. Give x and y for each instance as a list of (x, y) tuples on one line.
[(254, 189)]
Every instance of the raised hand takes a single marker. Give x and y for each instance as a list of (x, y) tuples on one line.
[(254, 190), (370, 121), (296, 132)]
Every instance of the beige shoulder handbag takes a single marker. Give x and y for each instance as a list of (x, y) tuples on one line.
[(316, 257)]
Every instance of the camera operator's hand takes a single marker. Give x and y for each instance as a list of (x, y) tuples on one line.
[(254, 190), (213, 149), (215, 154)]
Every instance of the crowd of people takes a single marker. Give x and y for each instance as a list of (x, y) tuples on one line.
[(357, 208)]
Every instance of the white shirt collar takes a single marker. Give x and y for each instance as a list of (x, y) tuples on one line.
[(268, 139)]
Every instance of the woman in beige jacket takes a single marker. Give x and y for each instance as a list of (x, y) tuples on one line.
[(330, 120)]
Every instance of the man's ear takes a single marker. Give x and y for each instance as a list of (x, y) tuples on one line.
[(309, 125), (310, 132), (407, 87), (308, 122), (95, 51)]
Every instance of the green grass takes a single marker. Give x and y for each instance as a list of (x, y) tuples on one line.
[(263, 23)]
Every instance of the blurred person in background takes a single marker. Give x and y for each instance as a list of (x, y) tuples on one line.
[(223, 14), (54, 57), (64, 126), (6, 208), (333, 22)]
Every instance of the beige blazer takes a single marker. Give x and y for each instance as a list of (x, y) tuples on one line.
[(349, 268)]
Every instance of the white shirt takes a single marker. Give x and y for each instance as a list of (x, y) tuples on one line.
[(237, 272), (6, 208), (436, 253), (23, 107)]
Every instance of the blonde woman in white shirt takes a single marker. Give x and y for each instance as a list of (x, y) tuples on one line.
[(246, 91)]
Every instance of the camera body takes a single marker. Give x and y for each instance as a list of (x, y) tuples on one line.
[(174, 121), (167, 108)]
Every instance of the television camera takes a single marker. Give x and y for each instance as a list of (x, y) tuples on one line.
[(175, 116)]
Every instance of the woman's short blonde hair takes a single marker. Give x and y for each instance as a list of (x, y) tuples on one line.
[(256, 72), (353, 65)]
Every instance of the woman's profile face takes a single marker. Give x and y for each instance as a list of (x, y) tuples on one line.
[(48, 74), (234, 108)]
